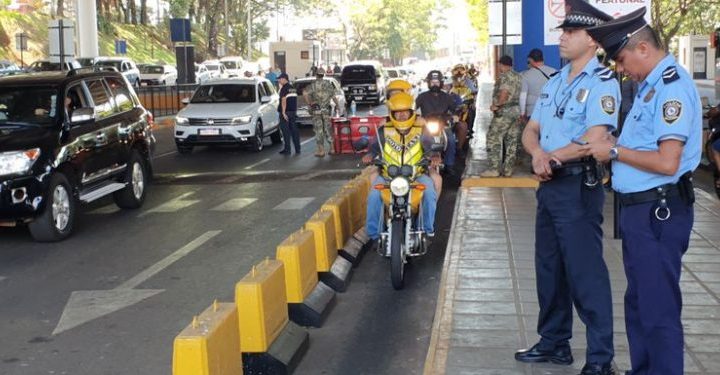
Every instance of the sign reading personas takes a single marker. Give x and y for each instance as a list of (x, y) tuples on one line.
[(555, 13)]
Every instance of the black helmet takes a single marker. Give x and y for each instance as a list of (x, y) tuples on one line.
[(434, 75)]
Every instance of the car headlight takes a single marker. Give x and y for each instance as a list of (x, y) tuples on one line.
[(433, 127), (372, 87), (15, 162), (346, 88), (181, 121), (242, 120), (399, 186)]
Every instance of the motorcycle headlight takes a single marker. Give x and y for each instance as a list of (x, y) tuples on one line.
[(181, 121), (242, 120), (15, 162), (399, 186), (433, 127)]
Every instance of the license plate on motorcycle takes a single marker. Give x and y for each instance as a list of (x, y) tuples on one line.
[(210, 131)]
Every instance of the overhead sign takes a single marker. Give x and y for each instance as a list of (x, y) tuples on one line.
[(21, 42), (180, 30), (513, 21), (120, 46), (555, 13)]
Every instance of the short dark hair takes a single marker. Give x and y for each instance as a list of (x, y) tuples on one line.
[(646, 34), (536, 55), (506, 60)]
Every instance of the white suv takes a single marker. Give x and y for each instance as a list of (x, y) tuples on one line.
[(229, 112)]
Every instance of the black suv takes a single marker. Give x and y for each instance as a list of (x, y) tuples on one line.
[(363, 82), (67, 138)]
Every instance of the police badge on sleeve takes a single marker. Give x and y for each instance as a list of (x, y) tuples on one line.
[(608, 104), (672, 110)]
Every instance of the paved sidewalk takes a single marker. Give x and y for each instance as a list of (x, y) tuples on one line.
[(487, 305)]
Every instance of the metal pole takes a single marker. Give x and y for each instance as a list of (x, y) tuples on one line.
[(504, 25), (61, 29), (227, 24), (249, 34)]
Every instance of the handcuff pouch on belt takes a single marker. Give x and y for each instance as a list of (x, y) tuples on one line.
[(592, 172)]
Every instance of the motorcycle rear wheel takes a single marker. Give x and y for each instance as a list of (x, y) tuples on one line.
[(397, 256)]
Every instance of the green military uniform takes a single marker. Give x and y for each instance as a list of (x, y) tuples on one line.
[(321, 93), (505, 127)]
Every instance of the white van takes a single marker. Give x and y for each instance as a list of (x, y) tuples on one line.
[(233, 65)]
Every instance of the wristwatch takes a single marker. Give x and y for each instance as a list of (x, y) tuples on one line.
[(614, 153)]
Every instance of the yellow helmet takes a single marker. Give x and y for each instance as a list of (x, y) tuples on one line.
[(458, 70), (399, 84), (401, 102)]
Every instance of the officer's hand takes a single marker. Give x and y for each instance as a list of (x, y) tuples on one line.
[(600, 149), (541, 165), (367, 159), (435, 161)]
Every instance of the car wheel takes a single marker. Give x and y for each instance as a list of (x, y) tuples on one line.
[(276, 137), (184, 150), (257, 141), (133, 195), (57, 220)]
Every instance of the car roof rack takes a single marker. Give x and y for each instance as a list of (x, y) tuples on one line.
[(91, 69)]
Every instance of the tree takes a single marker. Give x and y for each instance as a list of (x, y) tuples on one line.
[(673, 17), (478, 10)]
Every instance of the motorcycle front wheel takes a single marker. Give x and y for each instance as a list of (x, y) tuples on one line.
[(397, 256)]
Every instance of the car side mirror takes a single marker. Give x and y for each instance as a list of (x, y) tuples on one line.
[(265, 99), (82, 115), (185, 101)]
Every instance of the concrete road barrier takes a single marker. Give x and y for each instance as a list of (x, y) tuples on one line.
[(332, 270), (210, 345), (269, 342), (340, 207), (309, 300)]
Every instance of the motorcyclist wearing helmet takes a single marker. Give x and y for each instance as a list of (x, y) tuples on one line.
[(463, 97), (398, 85), (436, 103), (407, 141)]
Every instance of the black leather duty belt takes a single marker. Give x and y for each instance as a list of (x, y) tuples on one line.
[(650, 195)]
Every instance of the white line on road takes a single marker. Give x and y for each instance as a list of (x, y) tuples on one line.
[(165, 154), (294, 203), (251, 166), (234, 204), (173, 205), (170, 259), (307, 141)]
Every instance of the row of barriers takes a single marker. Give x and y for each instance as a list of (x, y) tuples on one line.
[(263, 332), (164, 100)]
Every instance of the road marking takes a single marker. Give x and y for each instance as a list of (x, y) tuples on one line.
[(173, 205), (307, 141), (234, 204), (309, 176), (251, 166), (165, 154), (170, 259), (105, 210), (87, 305), (294, 203)]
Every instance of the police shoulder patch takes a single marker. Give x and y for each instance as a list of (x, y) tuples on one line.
[(670, 74), (607, 103), (605, 74), (672, 110)]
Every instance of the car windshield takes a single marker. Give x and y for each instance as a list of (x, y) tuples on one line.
[(213, 67), (28, 106), (301, 85), (392, 73), (44, 66), (230, 64), (224, 94), (111, 64), (86, 62), (358, 72), (152, 69), (197, 68)]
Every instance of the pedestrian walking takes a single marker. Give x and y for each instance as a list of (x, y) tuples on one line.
[(652, 162), (318, 95), (288, 114), (577, 105), (504, 132)]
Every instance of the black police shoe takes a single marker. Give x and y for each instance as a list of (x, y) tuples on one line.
[(598, 369), (561, 355)]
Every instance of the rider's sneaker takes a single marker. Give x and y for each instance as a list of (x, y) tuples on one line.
[(490, 173), (430, 234)]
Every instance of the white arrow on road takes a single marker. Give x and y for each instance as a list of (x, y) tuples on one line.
[(86, 305)]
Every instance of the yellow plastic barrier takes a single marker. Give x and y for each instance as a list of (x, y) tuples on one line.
[(262, 306), (322, 224), (297, 253), (210, 345), (357, 206), (339, 205)]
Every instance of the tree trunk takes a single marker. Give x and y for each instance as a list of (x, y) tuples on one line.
[(60, 9), (143, 12), (132, 7)]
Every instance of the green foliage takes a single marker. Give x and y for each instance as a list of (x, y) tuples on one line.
[(478, 10), (682, 17), (392, 28)]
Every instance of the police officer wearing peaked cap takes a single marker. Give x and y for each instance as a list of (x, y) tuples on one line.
[(652, 162), (578, 104)]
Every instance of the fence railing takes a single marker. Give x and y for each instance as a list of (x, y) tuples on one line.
[(164, 100)]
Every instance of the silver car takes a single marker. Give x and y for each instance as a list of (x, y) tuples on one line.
[(303, 113)]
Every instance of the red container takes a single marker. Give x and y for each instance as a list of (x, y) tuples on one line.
[(342, 140), (349, 130)]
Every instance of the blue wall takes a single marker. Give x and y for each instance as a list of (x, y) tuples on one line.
[(533, 14)]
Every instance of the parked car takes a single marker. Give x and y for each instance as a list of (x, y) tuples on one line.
[(158, 75), (303, 113), (86, 61), (66, 139), (232, 111), (202, 74), (363, 82), (47, 66), (233, 65), (124, 65), (8, 67), (216, 69)]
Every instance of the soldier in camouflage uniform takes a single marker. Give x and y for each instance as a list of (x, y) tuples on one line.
[(504, 128), (318, 96)]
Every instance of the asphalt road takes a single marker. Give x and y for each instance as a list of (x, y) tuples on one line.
[(111, 298)]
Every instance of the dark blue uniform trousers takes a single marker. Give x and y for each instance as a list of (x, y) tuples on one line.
[(570, 268), (651, 252)]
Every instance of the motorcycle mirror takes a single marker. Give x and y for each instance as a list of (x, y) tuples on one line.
[(437, 147)]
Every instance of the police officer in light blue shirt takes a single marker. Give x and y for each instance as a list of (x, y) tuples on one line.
[(578, 104), (652, 164)]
